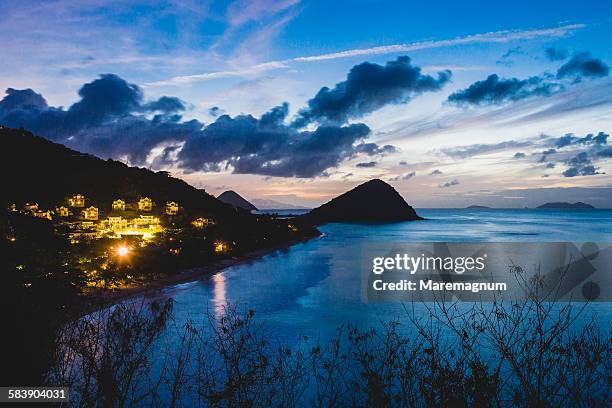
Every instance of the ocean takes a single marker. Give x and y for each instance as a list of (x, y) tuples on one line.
[(313, 287), (310, 290)]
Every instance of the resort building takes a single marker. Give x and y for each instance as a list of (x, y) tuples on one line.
[(43, 214), (146, 220), (172, 208), (63, 211), (87, 224), (145, 204), (119, 205), (202, 222), (116, 223), (91, 213), (77, 200), (30, 207), (221, 247)]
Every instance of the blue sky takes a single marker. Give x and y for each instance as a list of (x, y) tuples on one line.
[(484, 145)]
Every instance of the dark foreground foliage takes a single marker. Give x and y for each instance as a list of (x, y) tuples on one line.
[(531, 353)]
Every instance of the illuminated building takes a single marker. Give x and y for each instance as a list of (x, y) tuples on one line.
[(30, 207), (63, 211), (43, 214), (145, 204), (77, 200), (202, 222), (116, 223), (145, 220), (172, 208), (87, 224), (90, 213), (144, 226), (12, 207), (221, 247), (119, 205)]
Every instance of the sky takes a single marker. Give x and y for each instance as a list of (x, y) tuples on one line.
[(297, 101)]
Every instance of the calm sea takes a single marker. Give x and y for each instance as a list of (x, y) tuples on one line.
[(313, 287)]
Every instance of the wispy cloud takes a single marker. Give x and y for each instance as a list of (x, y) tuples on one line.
[(504, 36)]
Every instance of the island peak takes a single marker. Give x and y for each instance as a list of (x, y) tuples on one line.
[(233, 198), (372, 201)]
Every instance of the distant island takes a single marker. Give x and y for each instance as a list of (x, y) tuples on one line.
[(575, 206), (267, 204), (233, 198), (475, 207), (372, 201)]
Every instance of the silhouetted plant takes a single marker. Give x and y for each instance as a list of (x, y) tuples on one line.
[(528, 353)]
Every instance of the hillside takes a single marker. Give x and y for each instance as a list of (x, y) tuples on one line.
[(233, 198), (37, 170), (373, 201)]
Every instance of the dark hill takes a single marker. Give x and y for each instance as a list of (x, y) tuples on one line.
[(373, 201), (37, 170), (233, 198), (478, 207), (578, 205)]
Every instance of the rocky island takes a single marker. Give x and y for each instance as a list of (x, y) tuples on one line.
[(372, 201), (233, 198), (567, 206)]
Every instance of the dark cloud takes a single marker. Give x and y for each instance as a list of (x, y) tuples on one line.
[(369, 87), (462, 152), (111, 119), (580, 165), (105, 98), (550, 165), (569, 139), (403, 177), (372, 149), (366, 164), (555, 53), (506, 58), (546, 153), (583, 65), (215, 111), (449, 183), (166, 105), (403, 163), (519, 155), (269, 147), (436, 172), (496, 90), (16, 99), (605, 152)]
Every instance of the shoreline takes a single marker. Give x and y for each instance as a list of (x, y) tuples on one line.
[(109, 297)]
